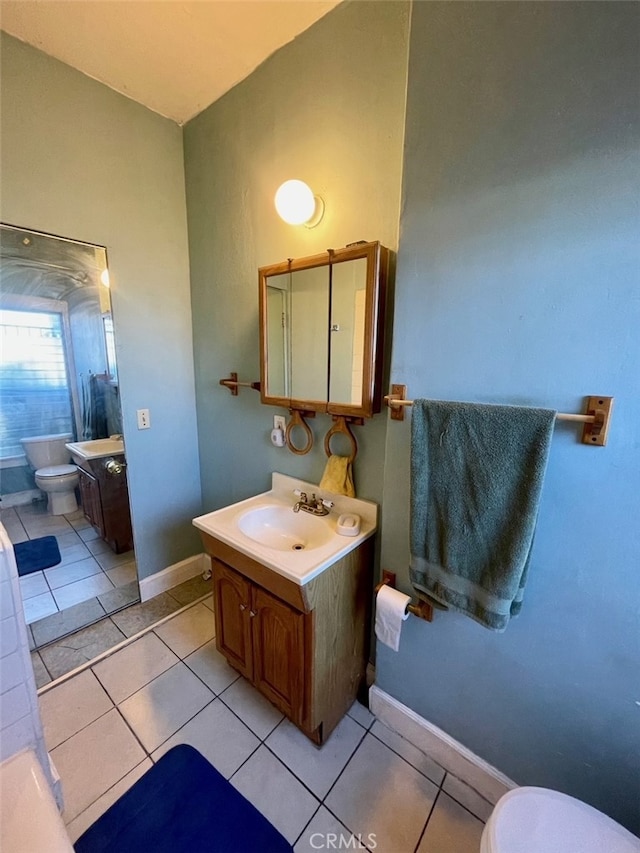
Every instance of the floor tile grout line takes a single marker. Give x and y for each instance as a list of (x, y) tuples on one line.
[(307, 825), (349, 760), (82, 728), (108, 652), (67, 824), (426, 823), (173, 734), (462, 805), (302, 782), (236, 714), (406, 760)]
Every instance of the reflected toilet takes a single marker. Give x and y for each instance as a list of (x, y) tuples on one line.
[(54, 474)]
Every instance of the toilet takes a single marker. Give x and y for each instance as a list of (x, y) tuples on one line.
[(50, 460), (539, 820)]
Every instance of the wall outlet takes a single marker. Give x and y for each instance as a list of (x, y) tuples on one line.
[(144, 418), (279, 422)]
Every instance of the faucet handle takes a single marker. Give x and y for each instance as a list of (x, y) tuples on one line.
[(301, 495), (328, 504)]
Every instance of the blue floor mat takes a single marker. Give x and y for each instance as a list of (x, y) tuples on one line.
[(182, 805), (37, 554)]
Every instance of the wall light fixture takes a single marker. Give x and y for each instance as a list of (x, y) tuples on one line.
[(297, 205)]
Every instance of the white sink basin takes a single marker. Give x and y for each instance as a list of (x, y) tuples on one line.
[(95, 449), (279, 527), (297, 545)]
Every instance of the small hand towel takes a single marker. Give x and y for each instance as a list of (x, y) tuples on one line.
[(476, 478), (338, 477)]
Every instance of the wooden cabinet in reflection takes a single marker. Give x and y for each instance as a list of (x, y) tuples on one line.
[(104, 496)]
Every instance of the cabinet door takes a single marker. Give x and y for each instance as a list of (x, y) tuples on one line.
[(114, 496), (278, 652), (232, 600), (90, 499)]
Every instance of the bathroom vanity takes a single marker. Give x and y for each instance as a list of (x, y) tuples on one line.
[(104, 493), (292, 601)]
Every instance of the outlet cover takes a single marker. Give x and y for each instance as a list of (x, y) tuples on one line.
[(144, 418), (279, 422)]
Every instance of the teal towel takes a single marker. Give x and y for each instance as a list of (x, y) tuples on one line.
[(476, 478)]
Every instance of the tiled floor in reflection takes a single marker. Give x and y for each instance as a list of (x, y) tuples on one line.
[(91, 580), (106, 725)]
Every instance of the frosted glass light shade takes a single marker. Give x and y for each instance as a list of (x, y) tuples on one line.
[(297, 205)]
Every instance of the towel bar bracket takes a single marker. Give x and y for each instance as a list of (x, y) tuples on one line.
[(398, 392), (595, 433), (231, 382)]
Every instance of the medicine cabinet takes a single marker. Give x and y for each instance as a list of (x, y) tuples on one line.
[(321, 331)]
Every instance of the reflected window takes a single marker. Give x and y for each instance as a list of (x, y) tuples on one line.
[(34, 378)]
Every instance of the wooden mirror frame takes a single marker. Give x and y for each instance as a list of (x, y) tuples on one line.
[(377, 257)]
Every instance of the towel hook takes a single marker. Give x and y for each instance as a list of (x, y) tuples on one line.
[(341, 425), (298, 419)]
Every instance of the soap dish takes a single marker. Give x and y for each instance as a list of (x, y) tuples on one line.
[(348, 524)]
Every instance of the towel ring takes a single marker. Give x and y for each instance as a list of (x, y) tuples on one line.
[(341, 425), (298, 419)]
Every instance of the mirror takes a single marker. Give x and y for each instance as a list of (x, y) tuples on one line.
[(321, 323), (59, 377)]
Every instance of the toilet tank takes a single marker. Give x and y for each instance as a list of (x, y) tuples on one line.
[(44, 450)]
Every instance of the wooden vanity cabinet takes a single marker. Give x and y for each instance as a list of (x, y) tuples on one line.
[(262, 637), (105, 502), (305, 648)]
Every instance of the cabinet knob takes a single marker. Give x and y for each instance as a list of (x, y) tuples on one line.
[(243, 607), (253, 613)]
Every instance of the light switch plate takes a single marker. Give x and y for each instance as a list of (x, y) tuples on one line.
[(144, 418)]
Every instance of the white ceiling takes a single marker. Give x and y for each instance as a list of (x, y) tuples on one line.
[(174, 57)]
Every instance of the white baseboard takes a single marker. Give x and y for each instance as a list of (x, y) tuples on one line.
[(441, 747), (173, 575)]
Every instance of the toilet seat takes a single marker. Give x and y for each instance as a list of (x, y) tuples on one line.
[(56, 471), (539, 820)]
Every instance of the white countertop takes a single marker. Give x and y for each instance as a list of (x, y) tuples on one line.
[(298, 566)]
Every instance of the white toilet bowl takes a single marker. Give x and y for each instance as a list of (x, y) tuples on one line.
[(538, 820), (59, 483), (50, 460)]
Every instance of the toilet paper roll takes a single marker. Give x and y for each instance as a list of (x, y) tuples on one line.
[(391, 612)]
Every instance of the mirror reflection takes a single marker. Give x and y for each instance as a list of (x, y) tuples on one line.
[(63, 482), (321, 322)]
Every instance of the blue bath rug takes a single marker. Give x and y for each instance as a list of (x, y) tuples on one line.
[(182, 805), (37, 554)]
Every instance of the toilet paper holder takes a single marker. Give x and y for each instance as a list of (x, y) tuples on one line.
[(423, 610)]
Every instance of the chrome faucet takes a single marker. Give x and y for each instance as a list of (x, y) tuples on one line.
[(315, 506)]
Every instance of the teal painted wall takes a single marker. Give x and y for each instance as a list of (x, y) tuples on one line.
[(327, 108), (84, 162), (518, 282)]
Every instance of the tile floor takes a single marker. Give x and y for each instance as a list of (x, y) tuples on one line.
[(106, 725), (89, 571), (56, 657)]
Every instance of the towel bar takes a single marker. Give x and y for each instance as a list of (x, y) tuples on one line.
[(423, 610), (596, 419)]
